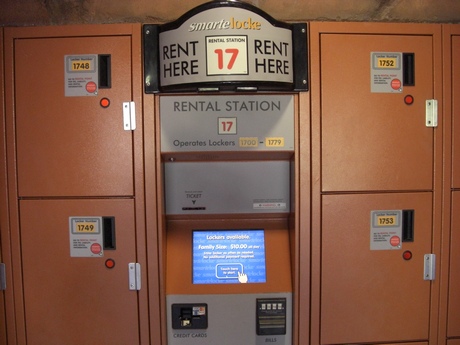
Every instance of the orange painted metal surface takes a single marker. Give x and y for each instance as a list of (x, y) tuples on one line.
[(68, 156), (373, 295), (77, 300), (455, 79), (3, 223), (373, 141), (453, 329), (372, 151), (71, 146)]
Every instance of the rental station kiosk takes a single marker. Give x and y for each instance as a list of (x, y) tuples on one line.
[(227, 149)]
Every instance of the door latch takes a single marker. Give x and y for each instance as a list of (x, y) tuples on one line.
[(129, 116), (134, 273), (429, 267), (431, 106)]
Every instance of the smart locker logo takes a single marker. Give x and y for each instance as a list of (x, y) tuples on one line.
[(224, 24)]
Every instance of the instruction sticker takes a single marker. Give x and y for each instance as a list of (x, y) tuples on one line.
[(386, 72), (81, 75), (86, 237), (386, 230)]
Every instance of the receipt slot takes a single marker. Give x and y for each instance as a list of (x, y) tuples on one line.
[(228, 218)]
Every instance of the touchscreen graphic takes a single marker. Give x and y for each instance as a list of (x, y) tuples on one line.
[(228, 256)]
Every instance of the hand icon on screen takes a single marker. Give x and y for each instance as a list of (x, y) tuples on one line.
[(242, 278)]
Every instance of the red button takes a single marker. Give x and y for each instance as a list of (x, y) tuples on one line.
[(409, 99), (407, 255), (109, 263), (105, 102)]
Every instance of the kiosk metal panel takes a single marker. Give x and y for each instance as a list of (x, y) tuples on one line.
[(227, 187), (243, 123)]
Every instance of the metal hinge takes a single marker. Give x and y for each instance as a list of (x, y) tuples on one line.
[(134, 273), (431, 119), (429, 267), (129, 116), (2, 277)]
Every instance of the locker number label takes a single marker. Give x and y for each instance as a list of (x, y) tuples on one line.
[(387, 63), (85, 227), (227, 55), (82, 65), (386, 230), (86, 238), (386, 72), (386, 220), (81, 75)]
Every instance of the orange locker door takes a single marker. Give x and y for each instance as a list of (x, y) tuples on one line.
[(453, 329), (77, 300), (453, 312), (373, 152), (3, 231), (71, 145), (453, 320), (69, 155), (373, 295), (455, 42), (374, 140)]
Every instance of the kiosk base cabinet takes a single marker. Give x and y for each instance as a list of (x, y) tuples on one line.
[(231, 319)]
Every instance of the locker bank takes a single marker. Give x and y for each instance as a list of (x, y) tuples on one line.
[(226, 177)]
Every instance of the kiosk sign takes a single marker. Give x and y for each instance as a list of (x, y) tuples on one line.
[(226, 43), (227, 123)]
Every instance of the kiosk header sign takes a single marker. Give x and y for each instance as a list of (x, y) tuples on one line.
[(225, 45)]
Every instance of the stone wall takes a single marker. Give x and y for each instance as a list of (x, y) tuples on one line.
[(54, 12)]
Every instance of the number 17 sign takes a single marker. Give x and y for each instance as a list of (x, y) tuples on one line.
[(226, 55)]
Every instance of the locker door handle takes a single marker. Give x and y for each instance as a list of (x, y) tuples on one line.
[(134, 273), (431, 113), (129, 116), (429, 269)]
